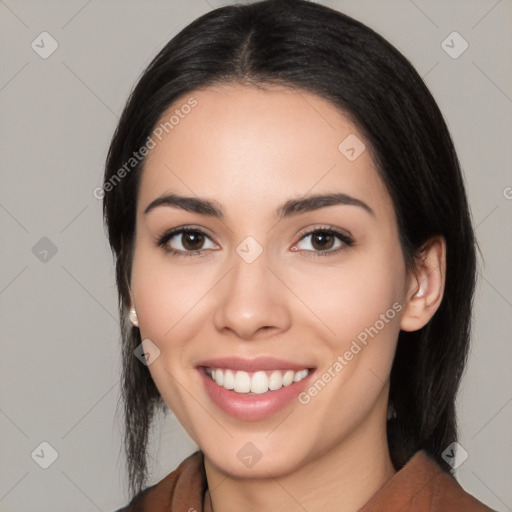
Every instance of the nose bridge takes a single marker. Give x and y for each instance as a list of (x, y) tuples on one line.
[(251, 297)]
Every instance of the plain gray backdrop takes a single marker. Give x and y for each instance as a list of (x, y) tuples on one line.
[(60, 359)]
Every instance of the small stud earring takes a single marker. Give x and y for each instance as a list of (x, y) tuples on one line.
[(133, 317)]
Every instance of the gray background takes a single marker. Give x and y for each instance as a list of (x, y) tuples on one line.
[(60, 359)]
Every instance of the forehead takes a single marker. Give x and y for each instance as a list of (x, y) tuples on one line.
[(248, 147)]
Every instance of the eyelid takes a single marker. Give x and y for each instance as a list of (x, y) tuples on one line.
[(327, 228), (161, 240), (344, 236)]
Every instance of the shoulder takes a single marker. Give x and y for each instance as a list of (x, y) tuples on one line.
[(447, 493), (423, 486), (184, 485)]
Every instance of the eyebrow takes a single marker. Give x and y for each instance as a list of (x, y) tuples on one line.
[(288, 209)]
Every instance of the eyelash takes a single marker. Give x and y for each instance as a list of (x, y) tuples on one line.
[(344, 238)]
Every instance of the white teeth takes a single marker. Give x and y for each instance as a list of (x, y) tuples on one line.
[(242, 382), (259, 383), (229, 379), (300, 375), (256, 383), (275, 381), (288, 377)]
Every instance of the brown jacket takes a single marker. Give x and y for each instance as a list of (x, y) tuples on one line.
[(420, 486)]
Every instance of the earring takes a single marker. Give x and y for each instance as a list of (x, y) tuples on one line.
[(133, 317)]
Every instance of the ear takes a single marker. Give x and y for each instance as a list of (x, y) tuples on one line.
[(426, 288)]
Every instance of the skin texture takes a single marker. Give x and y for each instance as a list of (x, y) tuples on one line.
[(251, 150)]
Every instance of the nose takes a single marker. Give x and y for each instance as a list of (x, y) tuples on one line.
[(252, 302)]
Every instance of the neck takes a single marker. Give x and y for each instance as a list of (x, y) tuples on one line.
[(342, 479)]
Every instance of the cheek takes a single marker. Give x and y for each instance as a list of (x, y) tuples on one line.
[(165, 296), (354, 295), (164, 293), (359, 308)]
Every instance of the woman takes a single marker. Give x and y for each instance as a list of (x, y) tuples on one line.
[(295, 265)]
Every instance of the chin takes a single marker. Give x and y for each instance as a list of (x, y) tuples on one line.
[(249, 461)]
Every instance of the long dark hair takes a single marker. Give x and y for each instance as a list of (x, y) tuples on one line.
[(317, 49)]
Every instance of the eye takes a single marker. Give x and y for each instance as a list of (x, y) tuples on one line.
[(184, 241), (323, 241), (189, 241)]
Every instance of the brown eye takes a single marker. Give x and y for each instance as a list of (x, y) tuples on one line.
[(325, 241), (192, 240), (184, 242), (322, 240)]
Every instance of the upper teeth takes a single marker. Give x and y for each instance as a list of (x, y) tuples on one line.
[(258, 382)]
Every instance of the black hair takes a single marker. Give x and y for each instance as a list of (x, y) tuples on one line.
[(314, 48)]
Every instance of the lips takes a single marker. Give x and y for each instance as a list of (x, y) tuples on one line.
[(253, 365), (249, 394)]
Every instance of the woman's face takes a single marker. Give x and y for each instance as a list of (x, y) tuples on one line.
[(260, 290)]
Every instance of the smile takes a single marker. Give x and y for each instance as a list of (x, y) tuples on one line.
[(253, 389), (255, 383)]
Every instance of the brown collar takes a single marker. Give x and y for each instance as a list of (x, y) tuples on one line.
[(420, 486)]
